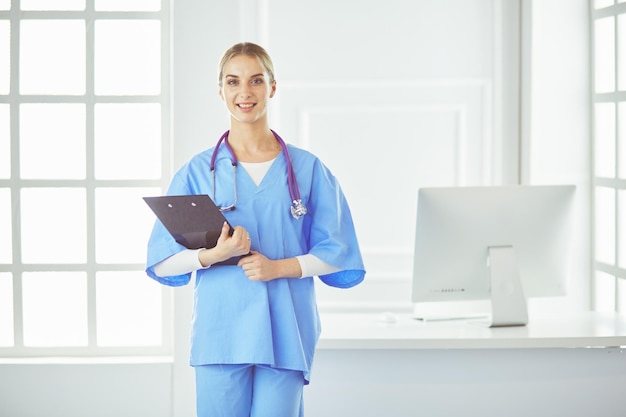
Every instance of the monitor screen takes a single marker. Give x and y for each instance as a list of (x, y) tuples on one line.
[(457, 227)]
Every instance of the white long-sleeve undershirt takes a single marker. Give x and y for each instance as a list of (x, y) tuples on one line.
[(188, 261)]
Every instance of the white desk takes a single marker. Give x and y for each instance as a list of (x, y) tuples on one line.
[(368, 331), (556, 366)]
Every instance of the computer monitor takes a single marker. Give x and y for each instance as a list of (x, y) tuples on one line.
[(497, 243)]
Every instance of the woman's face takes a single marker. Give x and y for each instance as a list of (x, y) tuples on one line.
[(246, 88)]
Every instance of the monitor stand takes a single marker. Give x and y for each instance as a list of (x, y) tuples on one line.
[(508, 303), (506, 307)]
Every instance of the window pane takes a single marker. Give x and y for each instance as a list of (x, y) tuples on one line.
[(52, 5), (131, 317), (604, 47), (128, 141), (6, 236), (621, 232), (605, 140), (45, 129), (604, 292), (127, 57), (52, 57), (5, 56), (123, 224), (53, 225), (5, 4), (621, 53), (621, 158), (5, 142), (128, 5), (605, 225), (6, 309), (55, 308)]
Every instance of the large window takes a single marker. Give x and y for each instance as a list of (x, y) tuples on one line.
[(84, 128), (608, 23)]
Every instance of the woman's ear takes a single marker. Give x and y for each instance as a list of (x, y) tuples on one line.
[(273, 91), (220, 93)]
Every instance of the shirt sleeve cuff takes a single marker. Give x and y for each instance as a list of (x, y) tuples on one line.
[(180, 263), (311, 265)]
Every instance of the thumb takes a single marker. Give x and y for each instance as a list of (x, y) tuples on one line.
[(225, 232)]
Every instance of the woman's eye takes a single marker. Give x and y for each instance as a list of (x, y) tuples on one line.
[(257, 81), (232, 82)]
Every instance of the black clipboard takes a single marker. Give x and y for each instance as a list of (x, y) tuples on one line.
[(194, 221)]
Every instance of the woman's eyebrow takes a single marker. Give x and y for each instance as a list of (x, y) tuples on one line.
[(252, 76)]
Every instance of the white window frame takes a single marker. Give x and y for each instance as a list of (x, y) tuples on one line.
[(608, 289), (90, 183)]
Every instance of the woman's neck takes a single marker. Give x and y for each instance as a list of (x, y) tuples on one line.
[(253, 143)]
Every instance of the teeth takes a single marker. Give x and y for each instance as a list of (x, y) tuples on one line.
[(246, 106)]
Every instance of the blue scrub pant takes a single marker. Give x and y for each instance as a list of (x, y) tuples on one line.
[(248, 391)]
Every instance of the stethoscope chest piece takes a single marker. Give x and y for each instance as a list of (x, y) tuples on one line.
[(298, 209)]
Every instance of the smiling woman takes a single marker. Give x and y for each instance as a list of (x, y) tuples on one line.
[(255, 324), (246, 85)]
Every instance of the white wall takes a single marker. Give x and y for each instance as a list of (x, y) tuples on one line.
[(60, 388)]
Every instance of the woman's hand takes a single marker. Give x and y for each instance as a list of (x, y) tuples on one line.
[(258, 267), (236, 245), (227, 246)]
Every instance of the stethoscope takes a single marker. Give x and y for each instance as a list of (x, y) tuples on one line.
[(298, 209)]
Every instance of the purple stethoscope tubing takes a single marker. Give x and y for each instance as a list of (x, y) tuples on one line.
[(297, 209)]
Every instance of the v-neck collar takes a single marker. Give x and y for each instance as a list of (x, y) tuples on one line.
[(272, 175), (258, 170)]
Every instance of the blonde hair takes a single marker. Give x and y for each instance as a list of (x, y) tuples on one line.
[(249, 49)]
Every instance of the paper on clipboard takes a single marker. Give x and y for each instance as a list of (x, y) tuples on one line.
[(193, 220)]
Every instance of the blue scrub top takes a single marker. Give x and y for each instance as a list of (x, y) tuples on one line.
[(276, 323)]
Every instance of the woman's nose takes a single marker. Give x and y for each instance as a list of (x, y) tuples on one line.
[(245, 91)]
